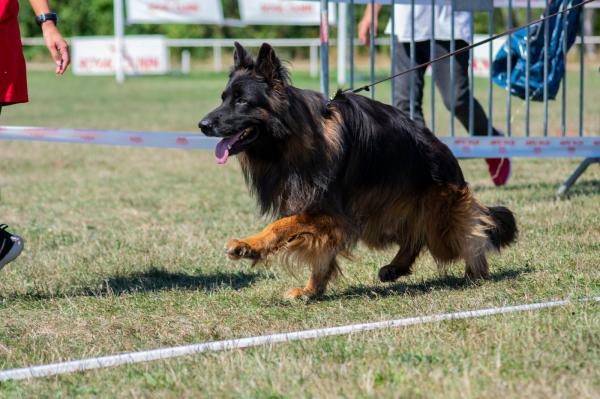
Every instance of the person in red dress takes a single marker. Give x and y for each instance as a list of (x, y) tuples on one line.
[(13, 79)]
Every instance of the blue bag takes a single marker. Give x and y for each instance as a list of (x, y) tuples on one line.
[(556, 61)]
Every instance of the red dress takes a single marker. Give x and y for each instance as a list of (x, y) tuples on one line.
[(13, 77)]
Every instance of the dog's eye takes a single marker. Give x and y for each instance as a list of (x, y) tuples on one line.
[(241, 101)]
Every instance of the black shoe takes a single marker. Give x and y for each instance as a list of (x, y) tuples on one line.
[(11, 246)]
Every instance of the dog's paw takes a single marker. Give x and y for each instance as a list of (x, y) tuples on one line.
[(296, 293), (391, 273), (237, 249)]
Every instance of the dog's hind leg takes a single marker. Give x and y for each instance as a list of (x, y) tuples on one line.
[(322, 271), (456, 228), (476, 265), (401, 264)]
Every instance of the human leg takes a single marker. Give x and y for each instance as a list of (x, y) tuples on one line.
[(457, 96), (402, 83)]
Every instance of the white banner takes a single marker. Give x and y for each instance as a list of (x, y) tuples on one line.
[(143, 55), (282, 12), (481, 55), (521, 3), (535, 3), (174, 11)]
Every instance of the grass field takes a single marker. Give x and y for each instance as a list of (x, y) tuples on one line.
[(124, 253)]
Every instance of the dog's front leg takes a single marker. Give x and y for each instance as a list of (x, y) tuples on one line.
[(270, 240), (314, 239), (278, 235)]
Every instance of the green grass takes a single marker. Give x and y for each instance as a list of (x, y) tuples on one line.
[(124, 253)]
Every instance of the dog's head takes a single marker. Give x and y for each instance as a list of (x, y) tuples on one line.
[(250, 101)]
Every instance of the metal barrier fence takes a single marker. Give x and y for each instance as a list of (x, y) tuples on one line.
[(474, 6), (485, 144), (217, 46)]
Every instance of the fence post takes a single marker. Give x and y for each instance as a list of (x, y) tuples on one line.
[(527, 72), (217, 58), (393, 44), (314, 58), (546, 45), (324, 30), (490, 114), (341, 42), (412, 61), (452, 48), (563, 117), (581, 71), (509, 74), (351, 37), (372, 50), (472, 77), (432, 54), (119, 40), (186, 62)]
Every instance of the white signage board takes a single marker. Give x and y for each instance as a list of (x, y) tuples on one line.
[(174, 11), (283, 12), (142, 55), (481, 55), (535, 3)]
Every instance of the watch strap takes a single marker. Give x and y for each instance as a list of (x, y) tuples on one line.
[(49, 16)]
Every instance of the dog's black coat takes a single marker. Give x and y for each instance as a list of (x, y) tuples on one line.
[(380, 144), (308, 154)]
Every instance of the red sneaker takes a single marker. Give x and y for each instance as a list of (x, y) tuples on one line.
[(499, 169)]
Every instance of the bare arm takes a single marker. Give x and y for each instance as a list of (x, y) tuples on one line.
[(364, 27), (54, 41)]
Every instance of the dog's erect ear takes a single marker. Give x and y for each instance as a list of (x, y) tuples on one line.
[(269, 66), (241, 58)]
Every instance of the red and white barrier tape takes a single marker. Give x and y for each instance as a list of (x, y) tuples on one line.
[(534, 147), (108, 137), (462, 147)]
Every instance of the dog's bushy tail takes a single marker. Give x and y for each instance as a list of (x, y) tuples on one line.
[(504, 230)]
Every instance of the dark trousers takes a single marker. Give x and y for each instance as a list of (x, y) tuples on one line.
[(442, 80)]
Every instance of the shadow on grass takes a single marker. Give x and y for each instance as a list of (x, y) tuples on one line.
[(154, 279), (584, 187), (423, 287), (157, 279)]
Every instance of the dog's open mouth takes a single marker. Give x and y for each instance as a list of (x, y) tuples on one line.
[(233, 144)]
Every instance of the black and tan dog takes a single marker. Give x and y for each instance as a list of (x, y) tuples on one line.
[(337, 172)]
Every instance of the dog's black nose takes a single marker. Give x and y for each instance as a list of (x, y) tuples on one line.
[(205, 125)]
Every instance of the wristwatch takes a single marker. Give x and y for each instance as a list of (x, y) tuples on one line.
[(49, 16)]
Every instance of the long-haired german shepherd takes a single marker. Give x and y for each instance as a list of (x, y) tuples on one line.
[(339, 171)]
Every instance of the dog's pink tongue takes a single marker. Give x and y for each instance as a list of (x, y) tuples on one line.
[(221, 151)]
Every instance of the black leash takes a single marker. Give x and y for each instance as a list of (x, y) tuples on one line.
[(467, 48)]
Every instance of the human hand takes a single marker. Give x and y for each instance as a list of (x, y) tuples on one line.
[(364, 28), (59, 50)]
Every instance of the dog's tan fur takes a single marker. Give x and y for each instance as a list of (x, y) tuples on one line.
[(346, 170), (448, 220)]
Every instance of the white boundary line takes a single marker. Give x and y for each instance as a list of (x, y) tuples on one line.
[(215, 346)]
